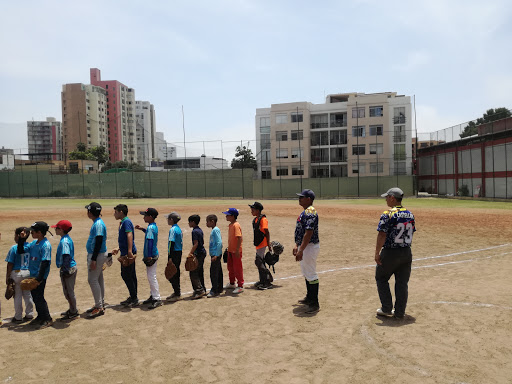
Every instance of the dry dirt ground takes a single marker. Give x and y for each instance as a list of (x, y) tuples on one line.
[(457, 328)]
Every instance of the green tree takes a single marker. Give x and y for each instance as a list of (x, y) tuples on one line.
[(489, 116), (244, 158), (98, 154)]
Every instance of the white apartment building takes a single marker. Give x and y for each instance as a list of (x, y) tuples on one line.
[(45, 139), (351, 134), (146, 128), (161, 151)]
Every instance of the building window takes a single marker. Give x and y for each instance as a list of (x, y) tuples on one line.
[(399, 115), (281, 118), (264, 121), (297, 135), (376, 149), (320, 155), (399, 168), (376, 167), (265, 157), (376, 130), (339, 170), (338, 119), (357, 112), (338, 154), (266, 174), (318, 172), (399, 152), (265, 141), (399, 135), (338, 137), (297, 117), (281, 135), (358, 150), (297, 152), (376, 111), (359, 131), (298, 170), (319, 121), (282, 171), (282, 153), (319, 138), (359, 168)]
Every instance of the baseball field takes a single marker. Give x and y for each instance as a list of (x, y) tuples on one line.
[(457, 329)]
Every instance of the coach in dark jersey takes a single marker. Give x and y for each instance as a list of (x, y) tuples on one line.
[(393, 254)]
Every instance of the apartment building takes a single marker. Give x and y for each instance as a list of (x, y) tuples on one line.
[(44, 139), (146, 128), (350, 134), (121, 120), (84, 116)]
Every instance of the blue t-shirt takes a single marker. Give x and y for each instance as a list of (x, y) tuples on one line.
[(175, 236), (197, 234), (308, 219), (66, 247), (151, 234), (215, 242), (20, 261), (39, 252), (125, 227), (399, 225), (98, 228)]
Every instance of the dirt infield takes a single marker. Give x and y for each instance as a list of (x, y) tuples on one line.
[(457, 328)]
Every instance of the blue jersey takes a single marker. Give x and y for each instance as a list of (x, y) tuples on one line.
[(125, 227), (215, 242), (39, 252), (399, 225), (308, 219), (151, 234), (66, 247), (98, 228), (176, 236), (20, 261)]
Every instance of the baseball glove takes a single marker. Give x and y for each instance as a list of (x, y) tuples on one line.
[(29, 284), (126, 261), (191, 264), (277, 247), (170, 270), (149, 261), (9, 289)]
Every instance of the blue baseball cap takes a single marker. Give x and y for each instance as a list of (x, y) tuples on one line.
[(307, 193), (231, 211)]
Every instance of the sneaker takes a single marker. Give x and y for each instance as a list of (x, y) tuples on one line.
[(257, 284), (380, 312), (229, 286), (155, 304), (238, 290), (126, 302), (304, 301), (70, 315), (96, 312), (263, 287), (16, 321), (149, 300), (212, 294), (36, 321), (313, 308), (397, 315), (45, 324), (28, 318), (174, 297), (133, 303), (65, 313), (198, 295)]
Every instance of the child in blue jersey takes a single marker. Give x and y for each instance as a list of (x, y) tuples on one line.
[(215, 249), (17, 270), (39, 267), (150, 257), (174, 252), (65, 260), (96, 256)]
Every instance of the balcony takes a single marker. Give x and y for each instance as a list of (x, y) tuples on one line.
[(399, 156), (319, 125), (399, 138), (399, 120), (338, 123)]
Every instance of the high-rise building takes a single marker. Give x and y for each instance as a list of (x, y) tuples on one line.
[(84, 116), (161, 150), (121, 121), (45, 139), (146, 128), (351, 134)]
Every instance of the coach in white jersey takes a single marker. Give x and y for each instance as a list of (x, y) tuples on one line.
[(393, 254)]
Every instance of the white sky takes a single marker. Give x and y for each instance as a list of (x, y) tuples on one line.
[(223, 59)]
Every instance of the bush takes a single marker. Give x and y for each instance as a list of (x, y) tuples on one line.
[(463, 190), (134, 195), (58, 194)]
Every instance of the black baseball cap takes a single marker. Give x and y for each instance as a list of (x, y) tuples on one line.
[(257, 205), (307, 193), (94, 207), (40, 226), (150, 212)]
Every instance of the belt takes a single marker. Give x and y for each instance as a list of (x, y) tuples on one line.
[(17, 270)]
